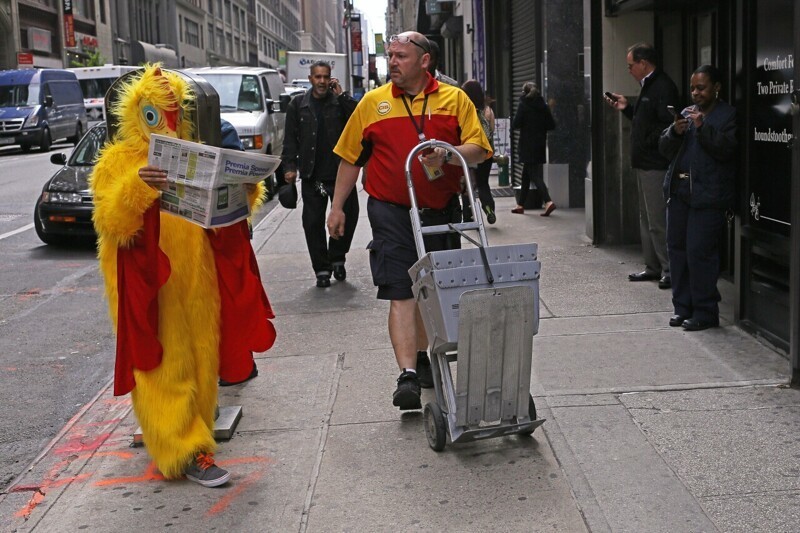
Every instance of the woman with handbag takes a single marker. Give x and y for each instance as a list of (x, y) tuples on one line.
[(534, 120), (699, 188)]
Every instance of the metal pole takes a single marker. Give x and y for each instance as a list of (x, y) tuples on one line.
[(348, 11)]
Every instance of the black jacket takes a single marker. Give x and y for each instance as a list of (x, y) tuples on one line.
[(649, 117), (533, 119), (712, 169), (301, 129)]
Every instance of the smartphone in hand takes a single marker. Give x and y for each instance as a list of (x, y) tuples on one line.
[(611, 96), (672, 111)]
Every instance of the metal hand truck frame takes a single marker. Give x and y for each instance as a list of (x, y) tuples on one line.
[(480, 306)]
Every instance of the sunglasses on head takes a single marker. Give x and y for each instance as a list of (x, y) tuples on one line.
[(404, 39)]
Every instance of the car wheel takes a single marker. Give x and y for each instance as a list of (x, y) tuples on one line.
[(37, 225), (78, 134), (25, 148), (44, 146)]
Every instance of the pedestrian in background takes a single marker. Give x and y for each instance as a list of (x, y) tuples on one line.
[(534, 120), (314, 121), (699, 188), (649, 117), (387, 124), (486, 117)]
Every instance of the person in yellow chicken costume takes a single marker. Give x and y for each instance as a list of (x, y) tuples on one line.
[(187, 302)]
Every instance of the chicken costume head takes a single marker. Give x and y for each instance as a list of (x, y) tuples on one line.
[(187, 302)]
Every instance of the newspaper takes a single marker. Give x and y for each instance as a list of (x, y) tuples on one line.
[(206, 184)]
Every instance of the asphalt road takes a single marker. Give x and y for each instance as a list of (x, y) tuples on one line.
[(56, 340)]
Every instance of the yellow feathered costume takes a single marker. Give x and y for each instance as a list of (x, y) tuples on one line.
[(170, 355)]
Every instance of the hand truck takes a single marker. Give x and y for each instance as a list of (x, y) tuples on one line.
[(480, 306)]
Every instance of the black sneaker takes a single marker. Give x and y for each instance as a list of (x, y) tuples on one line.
[(339, 272), (204, 471), (407, 394), (424, 373), (323, 280), (491, 218), (253, 374)]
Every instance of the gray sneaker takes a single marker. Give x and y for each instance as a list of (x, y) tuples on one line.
[(203, 471)]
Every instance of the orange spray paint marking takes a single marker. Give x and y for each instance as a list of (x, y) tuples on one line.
[(245, 460), (68, 480), (35, 500), (76, 445), (234, 493), (150, 474)]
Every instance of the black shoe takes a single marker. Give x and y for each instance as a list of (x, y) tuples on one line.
[(424, 373), (643, 276), (339, 272), (253, 373), (323, 280), (693, 324), (491, 217), (407, 394), (676, 320), (665, 282)]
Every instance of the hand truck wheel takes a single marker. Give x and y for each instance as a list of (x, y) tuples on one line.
[(435, 426), (531, 414)]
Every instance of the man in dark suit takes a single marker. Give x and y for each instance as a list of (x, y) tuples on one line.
[(649, 116)]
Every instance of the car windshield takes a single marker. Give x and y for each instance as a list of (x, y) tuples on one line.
[(18, 95), (96, 88), (85, 153), (237, 92)]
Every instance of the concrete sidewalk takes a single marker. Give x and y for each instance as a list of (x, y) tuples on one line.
[(649, 428)]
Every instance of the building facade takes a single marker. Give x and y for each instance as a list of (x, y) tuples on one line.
[(575, 50), (178, 33)]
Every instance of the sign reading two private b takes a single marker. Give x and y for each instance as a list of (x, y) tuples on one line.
[(69, 25)]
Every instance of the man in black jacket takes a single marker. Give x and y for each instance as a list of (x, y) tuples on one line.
[(649, 116), (314, 121)]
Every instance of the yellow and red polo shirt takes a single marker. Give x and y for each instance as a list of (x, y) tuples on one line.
[(381, 131)]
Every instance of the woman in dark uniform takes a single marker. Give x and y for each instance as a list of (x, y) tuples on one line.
[(699, 188)]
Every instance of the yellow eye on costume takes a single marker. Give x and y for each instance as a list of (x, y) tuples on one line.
[(150, 115)]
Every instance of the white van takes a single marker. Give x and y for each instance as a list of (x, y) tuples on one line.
[(95, 81), (250, 99)]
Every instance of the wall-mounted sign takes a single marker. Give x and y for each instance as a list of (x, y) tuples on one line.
[(40, 40), (87, 43), (69, 25), (380, 48), (24, 60), (771, 131)]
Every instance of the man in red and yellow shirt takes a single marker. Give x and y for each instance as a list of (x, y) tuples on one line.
[(387, 124)]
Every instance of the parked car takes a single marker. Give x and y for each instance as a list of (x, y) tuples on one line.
[(63, 211), (39, 106)]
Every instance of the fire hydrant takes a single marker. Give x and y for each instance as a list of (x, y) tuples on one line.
[(502, 169)]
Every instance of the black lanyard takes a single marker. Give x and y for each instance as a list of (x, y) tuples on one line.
[(419, 127)]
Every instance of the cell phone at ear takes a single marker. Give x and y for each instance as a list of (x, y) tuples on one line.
[(611, 96)]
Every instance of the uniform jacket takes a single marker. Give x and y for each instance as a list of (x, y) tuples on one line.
[(533, 119), (712, 173), (649, 117), (301, 129)]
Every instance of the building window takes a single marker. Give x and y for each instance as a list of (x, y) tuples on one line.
[(228, 11), (211, 7), (192, 36), (210, 35)]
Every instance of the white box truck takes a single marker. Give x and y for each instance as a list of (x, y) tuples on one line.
[(298, 66), (95, 82)]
